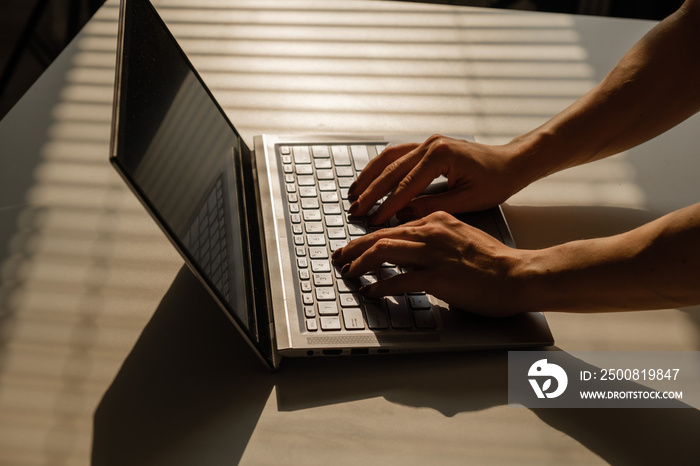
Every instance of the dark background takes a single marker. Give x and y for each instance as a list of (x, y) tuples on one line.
[(33, 32)]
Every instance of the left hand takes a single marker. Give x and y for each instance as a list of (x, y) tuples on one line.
[(443, 256)]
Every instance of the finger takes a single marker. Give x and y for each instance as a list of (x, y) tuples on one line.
[(358, 246), (394, 251), (407, 282), (452, 201), (385, 181), (377, 165), (412, 184)]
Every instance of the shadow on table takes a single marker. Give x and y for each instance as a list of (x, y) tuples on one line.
[(191, 391)]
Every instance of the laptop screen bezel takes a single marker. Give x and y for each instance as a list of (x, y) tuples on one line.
[(261, 339)]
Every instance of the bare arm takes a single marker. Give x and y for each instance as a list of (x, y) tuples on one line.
[(655, 266), (655, 86), (652, 88)]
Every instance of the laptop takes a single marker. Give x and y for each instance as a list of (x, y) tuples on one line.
[(257, 225)]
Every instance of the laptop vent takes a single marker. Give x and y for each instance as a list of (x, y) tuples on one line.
[(372, 339)]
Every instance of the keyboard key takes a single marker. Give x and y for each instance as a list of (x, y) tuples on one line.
[(316, 240), (349, 299), (399, 313), (326, 185), (325, 294), (314, 227), (318, 253), (323, 279), (309, 312), (367, 279), (336, 244), (310, 203), (306, 180), (386, 272), (341, 156), (332, 209), (330, 196), (334, 221), (320, 152), (328, 308), (352, 318), (424, 319), (330, 323), (307, 191), (356, 230), (376, 315), (419, 301), (311, 325), (301, 154), (312, 215), (304, 170), (360, 156), (336, 233), (346, 285), (321, 265), (325, 175), (344, 171)]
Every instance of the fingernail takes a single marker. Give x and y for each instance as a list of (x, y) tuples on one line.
[(353, 208), (336, 254), (352, 188), (345, 269), (406, 214)]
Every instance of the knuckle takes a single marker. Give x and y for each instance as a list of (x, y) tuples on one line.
[(405, 182), (382, 244), (393, 166)]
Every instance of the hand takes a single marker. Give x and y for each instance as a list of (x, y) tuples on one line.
[(443, 256), (478, 177)]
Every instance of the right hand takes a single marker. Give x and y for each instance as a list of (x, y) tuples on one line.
[(478, 177)]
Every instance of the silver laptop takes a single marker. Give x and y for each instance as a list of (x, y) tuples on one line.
[(257, 225)]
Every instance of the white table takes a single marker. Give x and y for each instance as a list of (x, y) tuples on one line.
[(99, 319)]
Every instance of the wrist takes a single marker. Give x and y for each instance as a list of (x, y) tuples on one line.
[(533, 155), (536, 275)]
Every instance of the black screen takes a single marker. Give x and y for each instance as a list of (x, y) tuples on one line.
[(183, 158)]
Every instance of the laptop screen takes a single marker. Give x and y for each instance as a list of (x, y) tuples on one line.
[(181, 155)]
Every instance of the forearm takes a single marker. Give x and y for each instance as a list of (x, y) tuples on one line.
[(654, 87), (655, 266)]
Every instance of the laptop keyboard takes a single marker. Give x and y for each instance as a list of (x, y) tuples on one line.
[(316, 180)]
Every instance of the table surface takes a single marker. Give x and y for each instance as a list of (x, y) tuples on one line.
[(111, 352)]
